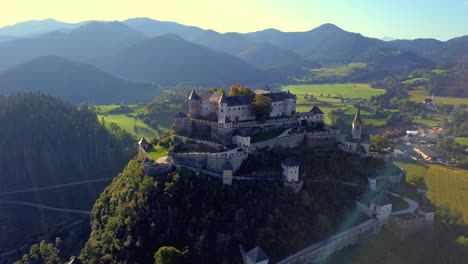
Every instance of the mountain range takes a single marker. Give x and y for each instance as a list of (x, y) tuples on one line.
[(168, 53), (73, 82)]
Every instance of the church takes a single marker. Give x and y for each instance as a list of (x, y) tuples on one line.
[(357, 141)]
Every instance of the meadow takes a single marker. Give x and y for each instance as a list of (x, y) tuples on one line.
[(328, 103), (418, 94), (446, 185), (462, 140), (127, 121), (332, 73)]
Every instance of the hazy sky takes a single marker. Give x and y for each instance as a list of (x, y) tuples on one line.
[(442, 19)]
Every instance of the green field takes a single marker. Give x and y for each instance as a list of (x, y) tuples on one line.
[(157, 152), (446, 185), (462, 140), (127, 121), (327, 104), (336, 71), (413, 80), (347, 90), (419, 94)]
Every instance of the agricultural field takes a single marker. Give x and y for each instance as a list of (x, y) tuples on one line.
[(446, 185), (329, 103), (413, 80), (156, 152), (127, 121), (335, 72), (462, 140), (419, 94)]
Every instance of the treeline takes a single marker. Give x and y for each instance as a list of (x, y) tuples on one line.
[(137, 215), (46, 141)]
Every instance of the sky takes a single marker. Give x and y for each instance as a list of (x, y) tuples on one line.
[(407, 19)]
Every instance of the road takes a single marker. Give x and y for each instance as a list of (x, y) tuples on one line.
[(88, 213), (413, 205), (55, 186)]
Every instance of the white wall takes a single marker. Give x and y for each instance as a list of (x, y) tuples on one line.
[(291, 173)]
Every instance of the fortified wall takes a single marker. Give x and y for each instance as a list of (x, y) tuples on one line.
[(320, 250), (210, 161)]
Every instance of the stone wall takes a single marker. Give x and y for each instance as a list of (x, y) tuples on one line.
[(210, 161), (322, 249), (289, 141)]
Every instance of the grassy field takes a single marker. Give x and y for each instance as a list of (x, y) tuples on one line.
[(127, 121), (462, 140), (327, 104), (336, 71), (419, 94), (157, 152), (413, 80), (427, 122), (347, 90), (446, 185)]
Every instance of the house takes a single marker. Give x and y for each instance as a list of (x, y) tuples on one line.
[(314, 118), (217, 106), (428, 153), (357, 141), (427, 211), (290, 168), (421, 189), (381, 206), (143, 143), (255, 256)]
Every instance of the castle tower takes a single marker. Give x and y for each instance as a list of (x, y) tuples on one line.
[(357, 125), (372, 183), (194, 104)]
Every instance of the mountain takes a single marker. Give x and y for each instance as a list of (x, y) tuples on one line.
[(73, 82), (37, 27), (155, 28), (268, 56), (326, 44), (386, 38), (169, 59), (4, 38), (90, 40)]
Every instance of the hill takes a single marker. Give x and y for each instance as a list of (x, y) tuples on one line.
[(74, 82), (90, 40), (46, 142), (169, 59), (36, 27), (267, 56)]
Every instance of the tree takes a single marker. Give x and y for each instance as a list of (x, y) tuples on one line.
[(380, 144), (237, 90), (262, 107), (168, 255)]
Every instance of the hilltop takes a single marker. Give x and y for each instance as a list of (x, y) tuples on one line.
[(73, 82)]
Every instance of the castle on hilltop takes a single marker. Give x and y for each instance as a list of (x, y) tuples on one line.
[(216, 106)]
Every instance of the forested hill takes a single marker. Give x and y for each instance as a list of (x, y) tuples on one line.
[(74, 82), (45, 141), (137, 215), (170, 59)]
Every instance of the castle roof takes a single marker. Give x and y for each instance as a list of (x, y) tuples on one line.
[(181, 115), (248, 99), (143, 141), (316, 110), (256, 255), (243, 132), (290, 162), (357, 117), (227, 166), (381, 199), (194, 96)]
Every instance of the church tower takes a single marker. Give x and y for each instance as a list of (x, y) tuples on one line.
[(357, 124)]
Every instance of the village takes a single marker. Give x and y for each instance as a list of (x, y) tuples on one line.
[(221, 132)]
